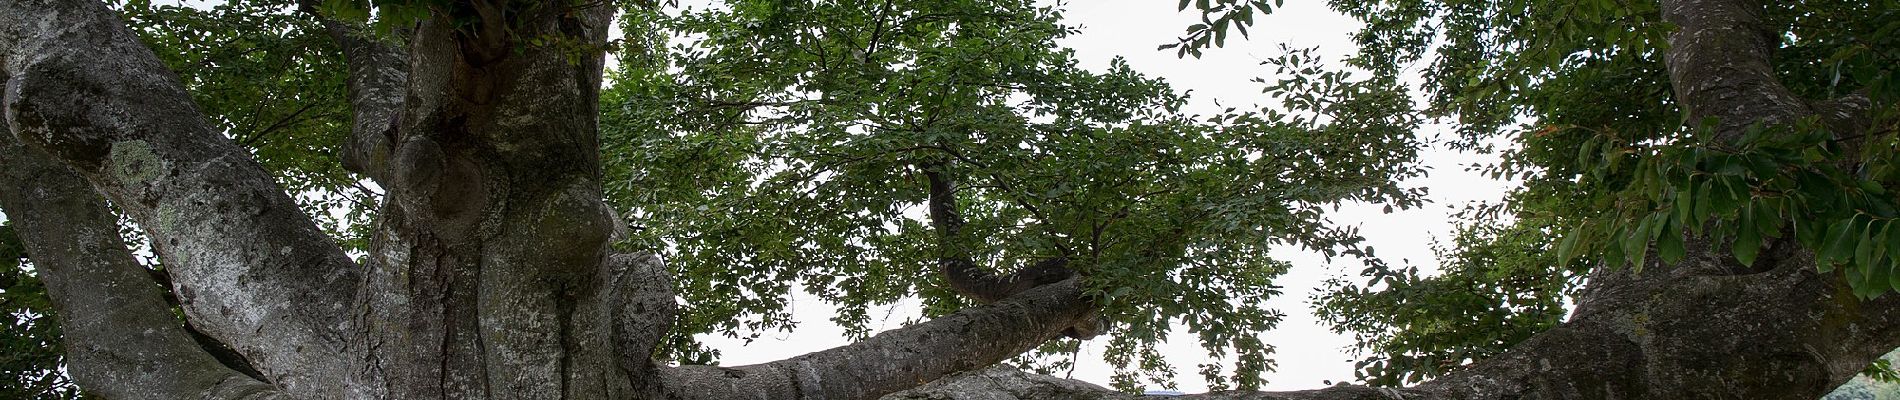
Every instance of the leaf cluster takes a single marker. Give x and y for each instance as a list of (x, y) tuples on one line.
[(767, 146), (1491, 292), (1576, 93), (31, 358)]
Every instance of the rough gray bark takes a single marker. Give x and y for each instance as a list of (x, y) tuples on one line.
[(897, 359), (379, 73), (489, 276), (249, 267), (485, 276), (1720, 68), (1003, 382), (1707, 328), (121, 338)]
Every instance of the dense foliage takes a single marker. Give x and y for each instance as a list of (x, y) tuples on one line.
[(30, 354), (781, 147), (1575, 96)]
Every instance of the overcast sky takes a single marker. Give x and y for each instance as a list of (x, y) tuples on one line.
[(1307, 352)]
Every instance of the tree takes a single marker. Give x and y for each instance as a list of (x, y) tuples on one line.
[(489, 271), (489, 265)]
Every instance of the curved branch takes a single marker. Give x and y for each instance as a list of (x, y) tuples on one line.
[(1692, 330), (250, 268), (120, 336), (959, 269), (643, 308), (1006, 383), (898, 359), (1719, 62), (970, 280), (379, 75)]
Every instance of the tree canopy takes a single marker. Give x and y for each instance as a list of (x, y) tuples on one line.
[(870, 152)]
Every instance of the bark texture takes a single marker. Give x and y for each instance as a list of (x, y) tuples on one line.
[(1707, 328), (897, 359), (379, 73), (249, 267), (121, 338)]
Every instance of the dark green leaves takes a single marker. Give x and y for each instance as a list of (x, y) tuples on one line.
[(1746, 197), (31, 357), (782, 148), (1495, 288), (1575, 97), (1217, 18)]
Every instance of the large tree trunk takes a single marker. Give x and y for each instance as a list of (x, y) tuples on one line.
[(489, 276)]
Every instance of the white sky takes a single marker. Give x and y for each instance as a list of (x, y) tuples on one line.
[(1307, 352)]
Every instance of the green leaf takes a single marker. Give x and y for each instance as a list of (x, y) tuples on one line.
[(1747, 245), (1893, 277), (1567, 248), (1864, 248), (1879, 281), (1636, 245), (1669, 245), (1839, 245), (1703, 210), (1768, 222), (1684, 209)]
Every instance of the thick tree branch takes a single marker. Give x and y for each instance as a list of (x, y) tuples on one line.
[(975, 282), (1720, 64), (379, 74), (898, 359), (642, 304), (122, 340), (1696, 330), (250, 268), (1003, 382), (954, 260)]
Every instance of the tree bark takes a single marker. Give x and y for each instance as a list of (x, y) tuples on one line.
[(249, 268), (899, 359), (379, 73), (487, 274), (121, 338)]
